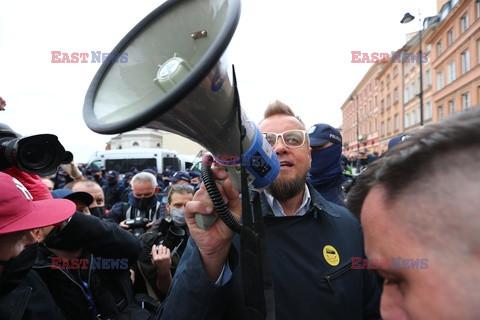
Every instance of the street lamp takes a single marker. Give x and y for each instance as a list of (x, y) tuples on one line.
[(406, 19)]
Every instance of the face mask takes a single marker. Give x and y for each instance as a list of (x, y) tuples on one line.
[(178, 216), (326, 163), (145, 203), (54, 241), (17, 268), (111, 181), (98, 212)]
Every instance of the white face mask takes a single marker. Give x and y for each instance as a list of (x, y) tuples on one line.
[(178, 216)]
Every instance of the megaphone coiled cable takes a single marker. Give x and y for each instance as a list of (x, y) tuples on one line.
[(217, 200)]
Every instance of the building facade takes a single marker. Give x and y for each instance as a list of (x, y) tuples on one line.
[(450, 62)]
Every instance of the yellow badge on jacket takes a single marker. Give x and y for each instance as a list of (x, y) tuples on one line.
[(331, 255)]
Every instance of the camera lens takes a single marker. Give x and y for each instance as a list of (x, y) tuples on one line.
[(35, 156), (40, 153)]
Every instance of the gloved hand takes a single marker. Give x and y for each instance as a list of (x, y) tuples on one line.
[(72, 170), (32, 182)]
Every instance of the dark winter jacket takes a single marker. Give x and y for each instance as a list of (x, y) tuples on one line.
[(310, 279)]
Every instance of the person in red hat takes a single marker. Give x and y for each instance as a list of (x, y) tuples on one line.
[(23, 295)]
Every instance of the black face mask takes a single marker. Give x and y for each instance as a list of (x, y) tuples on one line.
[(54, 241), (98, 212), (145, 203), (17, 268), (111, 181)]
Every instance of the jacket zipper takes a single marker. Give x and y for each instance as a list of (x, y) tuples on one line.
[(336, 274)]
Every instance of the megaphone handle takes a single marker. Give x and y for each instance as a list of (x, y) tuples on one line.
[(217, 200), (205, 222)]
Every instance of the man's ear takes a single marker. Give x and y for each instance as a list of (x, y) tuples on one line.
[(157, 189), (38, 234)]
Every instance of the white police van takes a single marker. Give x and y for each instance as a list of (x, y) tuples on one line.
[(122, 160)]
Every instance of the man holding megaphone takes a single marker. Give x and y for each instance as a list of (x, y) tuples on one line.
[(310, 243)]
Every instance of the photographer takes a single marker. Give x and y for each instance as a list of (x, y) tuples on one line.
[(142, 208), (164, 244)]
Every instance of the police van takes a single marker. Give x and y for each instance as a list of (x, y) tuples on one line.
[(122, 160)]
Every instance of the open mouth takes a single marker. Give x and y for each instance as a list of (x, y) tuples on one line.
[(285, 164)]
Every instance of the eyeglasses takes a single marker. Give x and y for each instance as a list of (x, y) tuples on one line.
[(291, 138)]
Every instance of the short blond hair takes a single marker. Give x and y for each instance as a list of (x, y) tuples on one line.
[(279, 108)]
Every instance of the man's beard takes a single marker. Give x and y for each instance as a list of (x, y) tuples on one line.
[(282, 189)]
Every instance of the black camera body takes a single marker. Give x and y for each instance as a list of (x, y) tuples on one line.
[(39, 154), (170, 235), (137, 225)]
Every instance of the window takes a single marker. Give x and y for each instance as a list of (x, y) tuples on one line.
[(428, 78), (428, 110), (413, 117), (395, 94), (478, 9), (450, 37), (413, 90), (466, 100), (382, 105), (406, 68), (440, 112), (383, 128), (465, 61), (451, 72), (396, 123), (407, 120), (388, 80), (381, 85), (464, 23), (376, 102), (389, 126), (395, 71), (439, 48), (451, 107), (389, 102), (406, 95), (478, 49), (440, 84)]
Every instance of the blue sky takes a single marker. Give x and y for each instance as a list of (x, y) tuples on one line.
[(295, 51)]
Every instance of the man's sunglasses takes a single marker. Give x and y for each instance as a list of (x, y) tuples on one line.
[(291, 138)]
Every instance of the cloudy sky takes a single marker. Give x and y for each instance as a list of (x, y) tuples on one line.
[(296, 51)]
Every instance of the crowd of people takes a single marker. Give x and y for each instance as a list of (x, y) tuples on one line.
[(89, 243)]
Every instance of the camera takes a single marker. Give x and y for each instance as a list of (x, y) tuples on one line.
[(170, 235), (137, 225), (39, 154)]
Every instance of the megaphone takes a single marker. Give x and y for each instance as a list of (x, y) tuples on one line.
[(174, 76)]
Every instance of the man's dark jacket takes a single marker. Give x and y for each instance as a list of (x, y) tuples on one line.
[(111, 287), (30, 300), (306, 286)]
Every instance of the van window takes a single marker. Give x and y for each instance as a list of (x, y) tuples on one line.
[(124, 165), (175, 162)]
